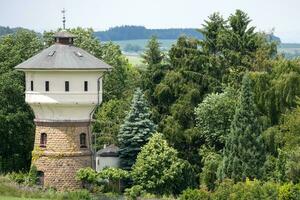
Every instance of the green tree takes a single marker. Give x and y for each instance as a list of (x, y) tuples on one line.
[(242, 48), (214, 116), (16, 48), (180, 91), (158, 170), (211, 162), (152, 54), (16, 118), (108, 119), (135, 131), (210, 31), (244, 153), (17, 127), (154, 73)]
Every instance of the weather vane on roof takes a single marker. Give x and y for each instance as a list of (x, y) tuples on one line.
[(64, 18)]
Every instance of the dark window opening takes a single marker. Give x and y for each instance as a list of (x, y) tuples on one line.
[(47, 86), (40, 178), (82, 140), (86, 86), (67, 86), (31, 85), (43, 141)]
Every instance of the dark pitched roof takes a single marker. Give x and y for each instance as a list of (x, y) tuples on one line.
[(109, 151), (63, 34), (65, 57)]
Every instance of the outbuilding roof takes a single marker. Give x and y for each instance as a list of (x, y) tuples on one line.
[(63, 34), (109, 151), (63, 57)]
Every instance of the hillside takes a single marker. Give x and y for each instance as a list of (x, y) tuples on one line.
[(7, 30), (140, 32)]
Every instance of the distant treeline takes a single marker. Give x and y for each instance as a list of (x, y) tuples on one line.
[(4, 30), (140, 32)]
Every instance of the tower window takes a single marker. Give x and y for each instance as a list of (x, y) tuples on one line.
[(82, 138), (43, 140), (67, 86), (86, 86), (40, 178), (47, 86), (31, 85)]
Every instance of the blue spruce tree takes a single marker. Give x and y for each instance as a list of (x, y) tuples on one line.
[(135, 131), (244, 153)]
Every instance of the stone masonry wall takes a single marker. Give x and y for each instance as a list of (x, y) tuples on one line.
[(62, 156)]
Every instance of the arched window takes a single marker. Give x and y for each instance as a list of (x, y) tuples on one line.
[(82, 140), (43, 140), (40, 178)]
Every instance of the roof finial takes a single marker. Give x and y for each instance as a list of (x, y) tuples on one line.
[(64, 18)]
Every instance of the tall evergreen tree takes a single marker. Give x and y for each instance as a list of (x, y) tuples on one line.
[(244, 151), (135, 131), (210, 31), (155, 70), (153, 54)]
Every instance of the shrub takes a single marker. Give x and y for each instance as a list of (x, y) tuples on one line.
[(75, 195), (32, 177), (18, 177), (113, 176), (288, 191), (87, 176), (134, 192), (29, 178), (158, 169), (195, 194), (211, 161)]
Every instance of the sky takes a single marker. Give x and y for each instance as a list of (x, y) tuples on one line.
[(40, 15)]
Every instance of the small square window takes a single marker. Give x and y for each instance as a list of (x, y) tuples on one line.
[(47, 86), (86, 86), (67, 89)]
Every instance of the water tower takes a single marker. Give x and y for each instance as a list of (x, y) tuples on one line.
[(63, 87)]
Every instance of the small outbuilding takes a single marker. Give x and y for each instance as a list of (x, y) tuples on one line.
[(107, 157)]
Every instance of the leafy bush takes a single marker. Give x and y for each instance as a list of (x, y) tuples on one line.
[(195, 194), (134, 192), (113, 177), (18, 177), (29, 178), (158, 169), (12, 189), (113, 174), (32, 177), (249, 190), (288, 191), (88, 176), (75, 195), (211, 162)]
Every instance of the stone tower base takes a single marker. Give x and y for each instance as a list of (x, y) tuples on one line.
[(62, 156)]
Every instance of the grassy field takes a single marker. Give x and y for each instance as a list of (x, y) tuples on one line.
[(17, 198), (165, 44), (134, 59)]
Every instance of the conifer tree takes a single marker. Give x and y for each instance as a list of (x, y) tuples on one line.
[(244, 150), (135, 131), (153, 54)]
